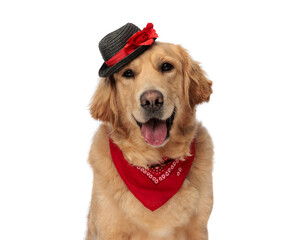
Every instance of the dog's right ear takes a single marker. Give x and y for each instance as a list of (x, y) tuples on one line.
[(103, 105)]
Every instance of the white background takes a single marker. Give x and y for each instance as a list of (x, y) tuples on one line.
[(49, 61)]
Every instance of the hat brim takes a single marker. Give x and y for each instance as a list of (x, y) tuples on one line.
[(106, 71)]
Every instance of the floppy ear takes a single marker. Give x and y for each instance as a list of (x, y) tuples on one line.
[(103, 104), (197, 88)]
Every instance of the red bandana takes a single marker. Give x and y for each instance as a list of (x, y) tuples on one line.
[(155, 186)]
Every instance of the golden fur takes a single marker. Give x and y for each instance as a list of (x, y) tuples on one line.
[(114, 212)]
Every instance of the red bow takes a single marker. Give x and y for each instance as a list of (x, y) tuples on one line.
[(141, 38)]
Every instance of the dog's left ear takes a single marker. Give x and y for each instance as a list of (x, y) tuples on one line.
[(197, 88)]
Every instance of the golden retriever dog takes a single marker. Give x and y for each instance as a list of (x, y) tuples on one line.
[(147, 110)]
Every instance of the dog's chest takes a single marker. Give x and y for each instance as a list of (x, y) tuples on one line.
[(173, 214)]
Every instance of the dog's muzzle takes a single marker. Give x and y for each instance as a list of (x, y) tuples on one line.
[(155, 129)]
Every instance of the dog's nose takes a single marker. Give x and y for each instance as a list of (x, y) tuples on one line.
[(152, 100)]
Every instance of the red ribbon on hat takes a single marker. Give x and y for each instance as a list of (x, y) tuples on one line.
[(141, 38), (155, 186)]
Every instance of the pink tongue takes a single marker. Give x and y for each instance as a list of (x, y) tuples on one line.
[(154, 132)]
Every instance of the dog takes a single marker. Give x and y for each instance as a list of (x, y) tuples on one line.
[(147, 108)]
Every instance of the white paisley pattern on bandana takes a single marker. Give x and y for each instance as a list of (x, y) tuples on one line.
[(159, 173)]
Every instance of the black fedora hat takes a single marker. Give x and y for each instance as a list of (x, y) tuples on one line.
[(123, 45)]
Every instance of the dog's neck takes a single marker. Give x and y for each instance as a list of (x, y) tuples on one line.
[(137, 152)]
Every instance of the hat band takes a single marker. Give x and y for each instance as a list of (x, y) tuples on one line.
[(118, 57), (145, 37)]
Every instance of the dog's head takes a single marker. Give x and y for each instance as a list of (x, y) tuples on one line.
[(153, 98)]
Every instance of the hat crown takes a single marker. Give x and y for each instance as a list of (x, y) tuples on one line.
[(113, 42)]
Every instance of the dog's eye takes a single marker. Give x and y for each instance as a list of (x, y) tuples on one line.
[(128, 74), (166, 67)]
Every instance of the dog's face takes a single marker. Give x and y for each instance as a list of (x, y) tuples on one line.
[(154, 95)]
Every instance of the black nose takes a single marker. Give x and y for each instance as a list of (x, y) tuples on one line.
[(152, 100)]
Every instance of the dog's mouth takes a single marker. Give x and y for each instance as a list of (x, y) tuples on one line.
[(156, 131)]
